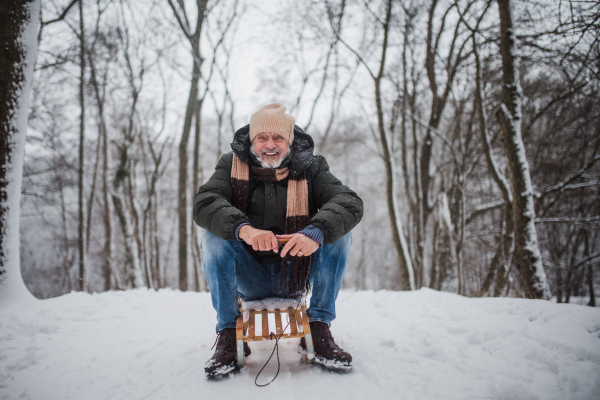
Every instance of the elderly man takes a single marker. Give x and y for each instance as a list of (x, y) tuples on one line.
[(272, 187)]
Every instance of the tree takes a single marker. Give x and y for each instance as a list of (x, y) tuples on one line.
[(194, 38), (398, 238), (526, 253), (18, 35), (81, 221)]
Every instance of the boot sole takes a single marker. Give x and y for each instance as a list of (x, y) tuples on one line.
[(221, 371), (332, 365), (329, 365)]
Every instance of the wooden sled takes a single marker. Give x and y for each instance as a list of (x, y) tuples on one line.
[(246, 330)]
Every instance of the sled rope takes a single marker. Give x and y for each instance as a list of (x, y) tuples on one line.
[(276, 347)]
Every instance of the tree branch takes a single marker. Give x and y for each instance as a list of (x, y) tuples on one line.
[(61, 16), (482, 209), (566, 182), (184, 27), (567, 220)]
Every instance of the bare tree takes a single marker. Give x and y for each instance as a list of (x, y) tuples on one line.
[(503, 256), (193, 36), (526, 253), (80, 194), (398, 238)]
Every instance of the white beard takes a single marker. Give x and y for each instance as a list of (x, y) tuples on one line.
[(272, 164)]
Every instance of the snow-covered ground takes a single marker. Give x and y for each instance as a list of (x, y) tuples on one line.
[(417, 345)]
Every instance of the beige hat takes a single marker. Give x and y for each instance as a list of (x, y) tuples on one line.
[(272, 118)]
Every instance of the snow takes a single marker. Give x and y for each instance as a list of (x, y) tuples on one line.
[(425, 344)]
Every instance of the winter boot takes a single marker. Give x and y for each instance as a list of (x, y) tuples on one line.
[(327, 352), (224, 360)]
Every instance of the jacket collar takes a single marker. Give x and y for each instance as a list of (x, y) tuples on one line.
[(301, 149)]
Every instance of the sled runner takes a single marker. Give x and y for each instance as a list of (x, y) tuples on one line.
[(292, 310)]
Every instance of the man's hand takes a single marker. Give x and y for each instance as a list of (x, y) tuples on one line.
[(259, 239), (298, 245)]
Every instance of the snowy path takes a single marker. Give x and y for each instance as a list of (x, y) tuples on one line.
[(419, 345)]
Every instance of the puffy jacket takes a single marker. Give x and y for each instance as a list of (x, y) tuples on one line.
[(333, 207)]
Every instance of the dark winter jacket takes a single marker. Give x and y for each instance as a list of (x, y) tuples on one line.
[(333, 207)]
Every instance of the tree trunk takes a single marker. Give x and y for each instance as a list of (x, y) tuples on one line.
[(131, 248), (107, 268), (160, 280), (183, 177), (559, 286), (18, 35), (526, 253), (65, 240), (404, 261), (448, 257), (107, 249), (199, 279), (426, 150), (182, 188), (508, 242), (418, 217), (136, 224), (591, 293), (499, 264), (135, 278), (81, 222), (404, 141)]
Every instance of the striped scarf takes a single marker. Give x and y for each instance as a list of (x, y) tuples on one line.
[(294, 269)]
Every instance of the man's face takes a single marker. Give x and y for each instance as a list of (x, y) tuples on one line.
[(270, 148)]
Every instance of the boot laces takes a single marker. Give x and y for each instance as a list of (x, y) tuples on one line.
[(226, 339), (323, 331)]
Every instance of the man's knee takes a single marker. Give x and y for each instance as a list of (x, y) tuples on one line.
[(215, 249)]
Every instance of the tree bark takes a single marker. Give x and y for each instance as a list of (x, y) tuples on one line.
[(591, 292), (80, 217), (199, 280), (526, 253), (131, 248), (107, 248), (18, 33)]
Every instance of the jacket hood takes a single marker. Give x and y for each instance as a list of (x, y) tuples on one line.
[(301, 149)]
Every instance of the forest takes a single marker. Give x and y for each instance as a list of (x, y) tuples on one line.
[(470, 129)]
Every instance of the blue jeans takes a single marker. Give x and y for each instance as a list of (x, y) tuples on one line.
[(232, 272)]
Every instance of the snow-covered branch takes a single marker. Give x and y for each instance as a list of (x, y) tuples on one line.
[(565, 184), (567, 220), (482, 209)]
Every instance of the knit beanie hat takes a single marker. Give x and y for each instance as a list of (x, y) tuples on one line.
[(272, 118)]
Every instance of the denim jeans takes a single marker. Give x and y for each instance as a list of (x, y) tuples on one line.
[(232, 272)]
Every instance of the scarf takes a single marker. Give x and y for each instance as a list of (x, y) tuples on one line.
[(294, 269)]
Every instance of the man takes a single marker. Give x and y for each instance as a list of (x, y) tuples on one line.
[(272, 187)]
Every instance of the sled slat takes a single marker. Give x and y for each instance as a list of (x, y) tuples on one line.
[(305, 325), (251, 325), (299, 321), (293, 326), (239, 330), (265, 324), (278, 322)]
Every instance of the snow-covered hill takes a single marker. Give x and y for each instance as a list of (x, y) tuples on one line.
[(420, 345)]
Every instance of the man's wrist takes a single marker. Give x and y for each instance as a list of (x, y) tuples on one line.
[(237, 230), (314, 233)]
